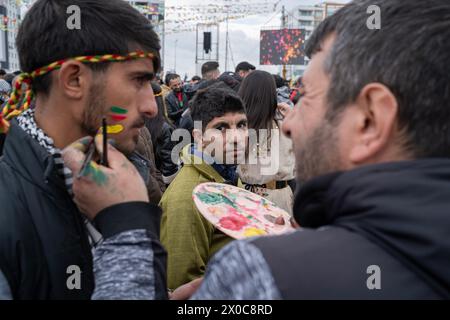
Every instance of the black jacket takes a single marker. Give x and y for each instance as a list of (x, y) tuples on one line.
[(2, 140), (395, 216), (163, 152), (174, 108), (41, 230)]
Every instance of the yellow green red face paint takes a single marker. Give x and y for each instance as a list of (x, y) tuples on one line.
[(118, 113), (112, 129)]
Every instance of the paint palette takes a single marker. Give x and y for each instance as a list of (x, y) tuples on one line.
[(238, 212)]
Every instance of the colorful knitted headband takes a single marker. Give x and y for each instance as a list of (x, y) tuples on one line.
[(12, 107)]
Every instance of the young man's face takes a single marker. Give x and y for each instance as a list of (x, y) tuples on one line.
[(176, 85), (225, 138), (126, 87)]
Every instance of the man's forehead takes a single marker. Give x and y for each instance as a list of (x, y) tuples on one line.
[(316, 66), (140, 65)]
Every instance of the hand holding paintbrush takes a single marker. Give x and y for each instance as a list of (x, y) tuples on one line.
[(100, 187), (91, 151)]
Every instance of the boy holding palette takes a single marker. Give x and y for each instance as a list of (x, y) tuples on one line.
[(188, 237)]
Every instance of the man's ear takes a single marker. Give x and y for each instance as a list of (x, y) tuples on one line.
[(375, 117), (74, 79)]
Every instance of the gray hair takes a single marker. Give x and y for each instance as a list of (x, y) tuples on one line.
[(410, 55)]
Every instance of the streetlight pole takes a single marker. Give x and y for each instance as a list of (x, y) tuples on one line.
[(176, 42), (226, 41), (283, 25)]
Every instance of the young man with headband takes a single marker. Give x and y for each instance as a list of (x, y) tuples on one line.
[(73, 79)]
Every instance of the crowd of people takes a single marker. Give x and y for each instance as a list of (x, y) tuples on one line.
[(356, 151)]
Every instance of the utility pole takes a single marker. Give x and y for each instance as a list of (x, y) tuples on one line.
[(176, 43), (164, 45), (226, 41), (283, 26)]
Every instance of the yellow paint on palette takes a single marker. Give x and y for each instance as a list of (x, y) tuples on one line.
[(113, 129), (253, 232)]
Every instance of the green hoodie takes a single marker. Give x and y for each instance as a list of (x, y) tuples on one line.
[(190, 240)]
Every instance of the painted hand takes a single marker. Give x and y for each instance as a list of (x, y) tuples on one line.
[(99, 187)]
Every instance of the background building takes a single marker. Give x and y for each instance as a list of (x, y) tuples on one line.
[(308, 18), (154, 10), (10, 17)]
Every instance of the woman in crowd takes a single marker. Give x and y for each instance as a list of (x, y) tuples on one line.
[(269, 166)]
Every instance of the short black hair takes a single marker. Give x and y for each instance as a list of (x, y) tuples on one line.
[(196, 78), (409, 54), (2, 72), (9, 77), (244, 66), (170, 77), (107, 27), (214, 102), (209, 66), (230, 79), (279, 81)]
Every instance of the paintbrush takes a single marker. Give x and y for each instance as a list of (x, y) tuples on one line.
[(104, 159), (88, 159)]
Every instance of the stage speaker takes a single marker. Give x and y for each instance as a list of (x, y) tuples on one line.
[(207, 42)]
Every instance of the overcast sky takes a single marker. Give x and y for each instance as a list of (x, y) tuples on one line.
[(244, 38)]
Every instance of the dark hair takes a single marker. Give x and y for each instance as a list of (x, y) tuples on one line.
[(279, 81), (209, 66), (409, 55), (155, 124), (229, 78), (107, 27), (170, 77), (259, 93), (196, 78), (214, 102), (2, 72), (244, 66), (9, 77)]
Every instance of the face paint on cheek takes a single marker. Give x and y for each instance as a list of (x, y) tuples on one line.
[(112, 129), (117, 117), (118, 113)]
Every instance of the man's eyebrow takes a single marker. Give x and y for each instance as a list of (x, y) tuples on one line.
[(146, 74), (221, 123)]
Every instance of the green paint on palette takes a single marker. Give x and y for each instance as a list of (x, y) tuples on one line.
[(118, 110), (215, 198)]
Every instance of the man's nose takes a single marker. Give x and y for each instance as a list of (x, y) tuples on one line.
[(238, 136), (286, 126), (148, 105)]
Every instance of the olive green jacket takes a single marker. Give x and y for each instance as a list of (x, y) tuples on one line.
[(190, 240)]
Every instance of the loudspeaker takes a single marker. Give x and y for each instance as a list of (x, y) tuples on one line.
[(207, 42)]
